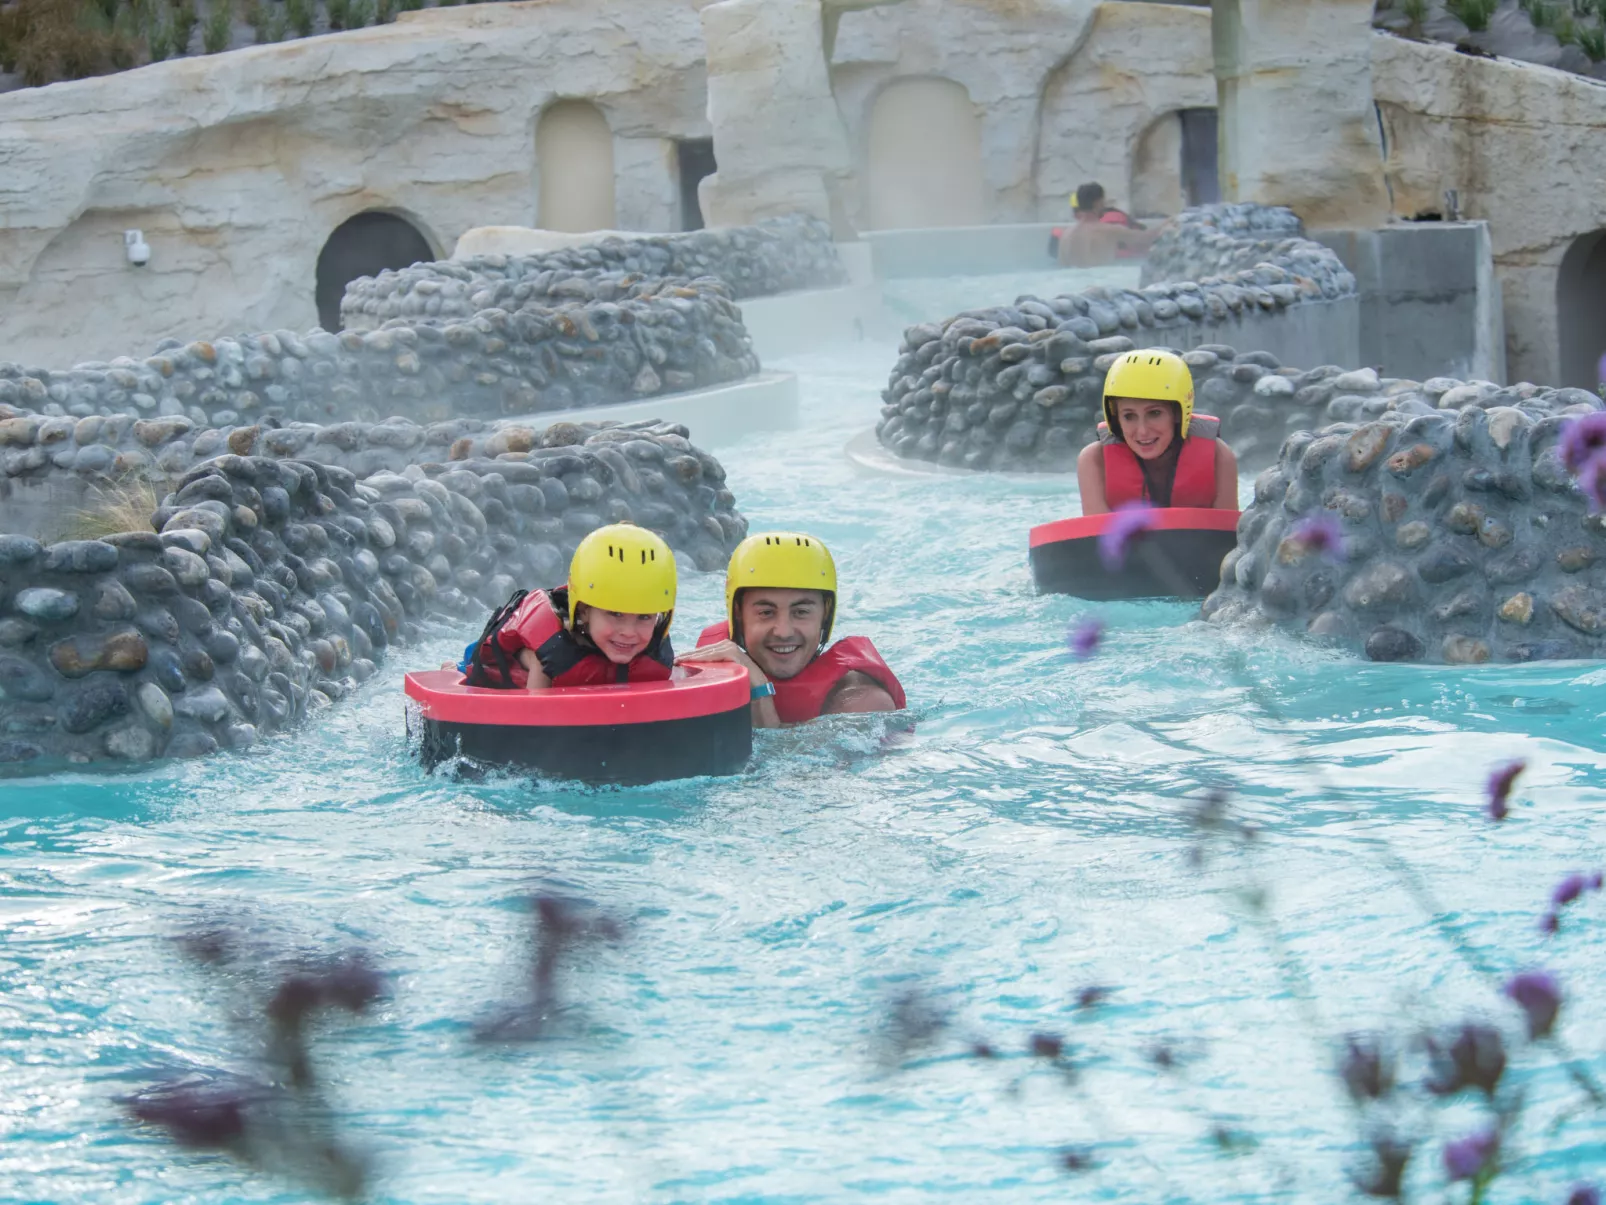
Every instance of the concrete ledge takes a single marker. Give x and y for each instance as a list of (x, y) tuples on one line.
[(1430, 300), (789, 323), (715, 417), (1306, 335), (961, 250), (866, 452)]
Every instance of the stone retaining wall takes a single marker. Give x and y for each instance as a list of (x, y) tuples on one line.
[(1019, 387), (1464, 537), (268, 587), (774, 256), (1228, 242), (628, 339)]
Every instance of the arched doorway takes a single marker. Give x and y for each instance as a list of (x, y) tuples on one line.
[(574, 157), (1174, 163), (1581, 310), (364, 246), (924, 157)]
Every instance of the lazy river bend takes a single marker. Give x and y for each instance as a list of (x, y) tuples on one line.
[(1027, 842)]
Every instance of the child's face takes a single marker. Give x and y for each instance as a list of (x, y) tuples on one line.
[(1147, 427), (619, 635)]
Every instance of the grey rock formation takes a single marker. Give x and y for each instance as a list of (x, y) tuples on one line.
[(1019, 387), (1464, 539), (266, 588)]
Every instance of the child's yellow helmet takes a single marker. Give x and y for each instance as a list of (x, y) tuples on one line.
[(786, 560), (623, 568), (1153, 375)]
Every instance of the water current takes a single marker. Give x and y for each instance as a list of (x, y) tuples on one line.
[(1026, 842)]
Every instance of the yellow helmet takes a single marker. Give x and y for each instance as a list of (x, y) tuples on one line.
[(786, 560), (1153, 375), (623, 568)]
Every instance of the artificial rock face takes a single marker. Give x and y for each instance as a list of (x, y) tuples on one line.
[(1465, 539), (264, 588), (1019, 387)]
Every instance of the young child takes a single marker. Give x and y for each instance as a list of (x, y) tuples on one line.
[(609, 624), (1152, 447)]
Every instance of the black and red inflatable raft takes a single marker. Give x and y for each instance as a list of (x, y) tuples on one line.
[(1178, 556), (697, 723)]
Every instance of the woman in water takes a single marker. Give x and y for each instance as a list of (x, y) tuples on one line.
[(1152, 447)]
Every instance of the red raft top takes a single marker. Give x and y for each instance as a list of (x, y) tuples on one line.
[(710, 688), (1167, 518)]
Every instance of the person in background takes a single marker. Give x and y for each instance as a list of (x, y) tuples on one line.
[(1100, 234), (780, 603), (1152, 447)]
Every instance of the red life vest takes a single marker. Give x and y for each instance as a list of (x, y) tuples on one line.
[(565, 659), (1194, 483), (799, 698)]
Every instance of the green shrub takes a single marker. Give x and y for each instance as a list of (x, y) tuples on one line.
[(338, 12), (1591, 39), (1474, 14), (219, 28), (1416, 12), (299, 15), (184, 22), (49, 40), (158, 35), (384, 12), (359, 13), (411, 6)]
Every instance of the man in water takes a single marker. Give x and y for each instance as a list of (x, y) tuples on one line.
[(780, 602), (1101, 234)]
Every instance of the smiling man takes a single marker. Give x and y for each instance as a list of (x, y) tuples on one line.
[(780, 603)]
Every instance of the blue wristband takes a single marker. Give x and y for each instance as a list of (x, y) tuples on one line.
[(766, 691)]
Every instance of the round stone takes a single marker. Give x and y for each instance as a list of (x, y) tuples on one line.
[(43, 602)]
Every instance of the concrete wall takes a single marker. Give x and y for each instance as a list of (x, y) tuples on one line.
[(237, 167), (1430, 300), (923, 159), (1525, 147), (574, 162), (1135, 66)]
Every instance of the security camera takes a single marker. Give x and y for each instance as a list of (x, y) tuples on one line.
[(139, 251)]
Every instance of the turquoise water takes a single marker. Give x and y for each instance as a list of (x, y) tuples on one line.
[(1025, 843)]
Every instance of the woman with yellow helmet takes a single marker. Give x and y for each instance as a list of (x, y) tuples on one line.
[(609, 624), (780, 604), (1152, 447)]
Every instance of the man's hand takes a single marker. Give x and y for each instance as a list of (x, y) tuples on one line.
[(725, 650)]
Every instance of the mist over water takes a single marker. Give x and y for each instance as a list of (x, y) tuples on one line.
[(1026, 842)]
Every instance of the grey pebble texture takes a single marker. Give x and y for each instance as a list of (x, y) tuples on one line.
[(498, 336), (1465, 539), (1019, 387), (267, 587)]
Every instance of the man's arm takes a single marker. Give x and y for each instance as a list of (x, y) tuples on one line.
[(855, 693)]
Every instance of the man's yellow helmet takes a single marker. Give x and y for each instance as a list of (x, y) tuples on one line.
[(1152, 375), (623, 568), (785, 560)]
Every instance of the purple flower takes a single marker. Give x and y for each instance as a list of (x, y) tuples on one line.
[(1126, 522), (1573, 886), (1539, 996), (1388, 1175), (1320, 533), (1471, 1157), (1093, 995), (1085, 636), (1549, 923), (1367, 1069), (1584, 1194), (1592, 479), (1046, 1046), (1582, 438), (1501, 780), (1475, 1059)]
